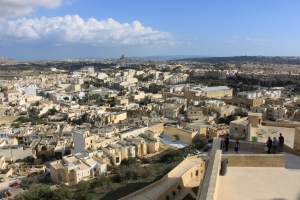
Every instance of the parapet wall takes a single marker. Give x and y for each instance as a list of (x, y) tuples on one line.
[(255, 160), (209, 187), (290, 150), (210, 184), (280, 124), (170, 182), (256, 147)]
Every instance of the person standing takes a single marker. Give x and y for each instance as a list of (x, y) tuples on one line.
[(275, 142), (269, 144), (281, 142), (226, 142), (236, 146)]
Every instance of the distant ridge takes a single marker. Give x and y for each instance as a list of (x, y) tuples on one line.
[(174, 57), (244, 59), (4, 60)]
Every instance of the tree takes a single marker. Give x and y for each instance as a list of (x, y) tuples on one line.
[(83, 185), (145, 160), (129, 161), (36, 192), (52, 111), (101, 181), (44, 115), (179, 188), (62, 193)]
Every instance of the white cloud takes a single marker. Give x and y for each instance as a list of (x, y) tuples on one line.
[(230, 41), (73, 29), (259, 40), (15, 8)]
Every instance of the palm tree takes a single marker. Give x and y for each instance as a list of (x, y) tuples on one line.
[(179, 188), (174, 193)]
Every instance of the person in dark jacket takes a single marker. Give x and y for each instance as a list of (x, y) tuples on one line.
[(281, 142), (269, 144), (236, 146), (226, 142)]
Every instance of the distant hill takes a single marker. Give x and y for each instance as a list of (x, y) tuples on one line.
[(174, 57), (245, 59), (4, 60)]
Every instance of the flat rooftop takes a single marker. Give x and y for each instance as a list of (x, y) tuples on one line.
[(167, 139), (209, 89), (259, 183)]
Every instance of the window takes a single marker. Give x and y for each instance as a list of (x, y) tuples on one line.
[(236, 128)]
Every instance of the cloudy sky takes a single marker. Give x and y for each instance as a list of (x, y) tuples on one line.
[(61, 29)]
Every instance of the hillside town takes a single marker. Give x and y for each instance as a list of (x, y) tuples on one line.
[(74, 122)]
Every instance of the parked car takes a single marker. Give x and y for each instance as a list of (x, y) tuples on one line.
[(15, 184), (197, 152)]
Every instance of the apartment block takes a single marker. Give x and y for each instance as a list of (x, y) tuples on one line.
[(77, 167)]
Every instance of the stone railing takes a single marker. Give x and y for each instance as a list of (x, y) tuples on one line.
[(255, 147), (255, 160), (210, 183), (290, 150)]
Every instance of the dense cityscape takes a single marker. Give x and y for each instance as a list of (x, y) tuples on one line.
[(117, 128), (149, 100)]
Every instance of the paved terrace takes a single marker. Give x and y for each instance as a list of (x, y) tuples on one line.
[(259, 183), (174, 175), (274, 183)]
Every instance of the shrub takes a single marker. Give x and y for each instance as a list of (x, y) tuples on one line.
[(129, 161)]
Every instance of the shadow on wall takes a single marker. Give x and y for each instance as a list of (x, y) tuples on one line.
[(124, 191)]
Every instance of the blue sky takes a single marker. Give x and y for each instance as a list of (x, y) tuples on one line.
[(61, 29)]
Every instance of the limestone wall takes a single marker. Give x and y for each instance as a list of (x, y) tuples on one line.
[(170, 181), (294, 151), (255, 160), (280, 124), (209, 185), (7, 174), (182, 134), (248, 146), (297, 140)]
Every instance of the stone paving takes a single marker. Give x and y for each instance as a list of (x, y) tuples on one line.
[(260, 183), (250, 183)]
